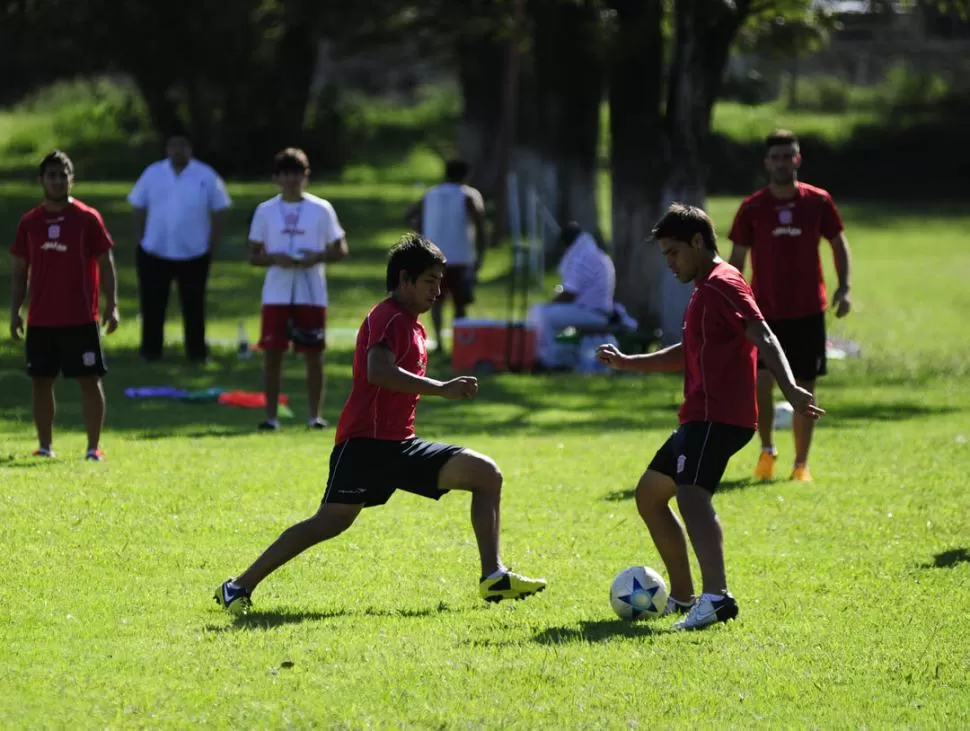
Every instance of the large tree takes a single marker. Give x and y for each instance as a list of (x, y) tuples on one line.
[(666, 67)]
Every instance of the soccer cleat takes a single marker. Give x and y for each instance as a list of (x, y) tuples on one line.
[(801, 474), (94, 455), (509, 585), (765, 469), (269, 425), (234, 599), (707, 612), (45, 452), (317, 423), (676, 607)]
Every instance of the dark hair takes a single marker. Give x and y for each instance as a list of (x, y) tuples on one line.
[(290, 160), (56, 157), (570, 232), (456, 171), (781, 137), (682, 223), (414, 255)]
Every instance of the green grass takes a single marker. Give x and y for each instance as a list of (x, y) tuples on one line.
[(853, 589)]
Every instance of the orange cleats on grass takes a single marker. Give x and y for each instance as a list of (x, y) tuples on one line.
[(765, 469), (801, 473)]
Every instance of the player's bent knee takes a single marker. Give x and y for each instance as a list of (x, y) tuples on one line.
[(654, 488), (332, 519), (471, 471)]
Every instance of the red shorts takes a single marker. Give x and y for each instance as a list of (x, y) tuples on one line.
[(273, 333)]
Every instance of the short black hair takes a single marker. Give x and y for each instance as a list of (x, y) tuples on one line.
[(413, 254), (291, 160), (570, 232), (456, 171), (56, 157), (682, 222), (781, 137)]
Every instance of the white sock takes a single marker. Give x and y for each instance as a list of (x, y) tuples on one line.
[(680, 603), (770, 450), (712, 597)]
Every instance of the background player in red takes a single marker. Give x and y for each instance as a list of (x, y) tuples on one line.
[(722, 330), (781, 225), (376, 448), (61, 251)]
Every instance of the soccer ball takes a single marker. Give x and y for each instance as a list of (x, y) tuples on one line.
[(638, 592)]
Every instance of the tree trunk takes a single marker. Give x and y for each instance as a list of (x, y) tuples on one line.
[(635, 73), (480, 74), (704, 31)]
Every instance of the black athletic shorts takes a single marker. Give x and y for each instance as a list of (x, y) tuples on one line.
[(74, 351), (803, 340), (699, 452), (368, 471)]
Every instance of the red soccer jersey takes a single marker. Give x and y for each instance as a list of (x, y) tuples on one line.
[(62, 251), (783, 235), (374, 412), (720, 363)]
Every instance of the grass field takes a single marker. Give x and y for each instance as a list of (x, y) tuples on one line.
[(853, 590)]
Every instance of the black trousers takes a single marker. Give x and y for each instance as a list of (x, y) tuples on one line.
[(155, 276)]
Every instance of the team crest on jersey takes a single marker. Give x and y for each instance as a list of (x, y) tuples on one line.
[(54, 231), (785, 216)]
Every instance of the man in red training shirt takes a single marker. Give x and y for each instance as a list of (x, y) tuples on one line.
[(781, 225), (61, 251), (723, 328), (376, 448)]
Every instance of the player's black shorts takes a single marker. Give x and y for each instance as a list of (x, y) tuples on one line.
[(368, 471), (699, 452), (803, 340), (74, 351)]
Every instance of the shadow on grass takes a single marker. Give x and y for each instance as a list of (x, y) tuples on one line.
[(17, 462), (948, 559), (889, 411), (281, 618), (618, 496), (598, 631)]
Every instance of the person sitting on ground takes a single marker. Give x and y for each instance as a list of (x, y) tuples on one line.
[(583, 299)]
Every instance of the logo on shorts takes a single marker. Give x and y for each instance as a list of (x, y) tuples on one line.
[(88, 359), (681, 463)]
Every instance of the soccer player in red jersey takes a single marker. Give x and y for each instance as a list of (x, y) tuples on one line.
[(723, 328), (781, 225), (376, 449), (61, 253)]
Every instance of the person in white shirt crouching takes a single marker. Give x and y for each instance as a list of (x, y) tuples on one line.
[(294, 234)]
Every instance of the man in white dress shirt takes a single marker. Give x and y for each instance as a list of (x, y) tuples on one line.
[(584, 298), (180, 210), (294, 234), (452, 216)]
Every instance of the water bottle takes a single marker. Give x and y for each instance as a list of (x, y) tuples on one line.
[(243, 349)]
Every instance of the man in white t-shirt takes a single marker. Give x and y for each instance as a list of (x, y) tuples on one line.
[(452, 215), (180, 210), (584, 299), (294, 234)]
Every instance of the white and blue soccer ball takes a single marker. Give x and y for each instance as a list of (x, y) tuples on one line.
[(638, 592)]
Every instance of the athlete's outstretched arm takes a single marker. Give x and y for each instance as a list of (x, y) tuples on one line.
[(384, 372), (668, 360), (803, 401)]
